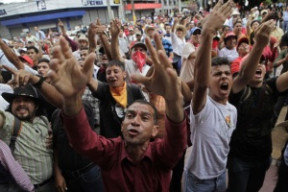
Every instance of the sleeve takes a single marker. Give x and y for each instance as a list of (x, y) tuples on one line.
[(6, 62), (72, 43), (174, 143), (273, 88), (6, 130), (100, 92), (88, 143), (17, 172), (234, 98), (188, 50), (221, 53)]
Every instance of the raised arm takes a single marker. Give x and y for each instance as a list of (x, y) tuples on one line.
[(176, 20), (249, 65), (91, 37), (162, 79), (11, 56), (115, 30), (203, 59), (72, 43), (51, 95), (104, 39), (69, 78)]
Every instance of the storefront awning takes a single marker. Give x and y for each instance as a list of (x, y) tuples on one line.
[(140, 6), (42, 17)]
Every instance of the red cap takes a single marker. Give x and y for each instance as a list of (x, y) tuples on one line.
[(27, 59)]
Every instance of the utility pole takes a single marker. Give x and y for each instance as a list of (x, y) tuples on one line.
[(179, 6), (133, 12), (109, 10), (121, 10)]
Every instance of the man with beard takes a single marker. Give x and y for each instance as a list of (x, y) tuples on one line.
[(132, 162), (31, 149)]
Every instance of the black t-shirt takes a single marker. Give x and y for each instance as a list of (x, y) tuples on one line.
[(252, 136), (111, 113), (68, 158)]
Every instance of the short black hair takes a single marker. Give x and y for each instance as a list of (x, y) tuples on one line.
[(43, 60), (33, 47), (217, 61), (142, 101), (116, 63)]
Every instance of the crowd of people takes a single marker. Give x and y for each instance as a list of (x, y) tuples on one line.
[(163, 104)]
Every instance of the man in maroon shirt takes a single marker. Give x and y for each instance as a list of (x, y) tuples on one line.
[(133, 162)]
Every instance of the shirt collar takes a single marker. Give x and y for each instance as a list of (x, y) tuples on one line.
[(124, 154)]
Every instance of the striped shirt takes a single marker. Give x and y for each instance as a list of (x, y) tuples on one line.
[(19, 175), (30, 149)]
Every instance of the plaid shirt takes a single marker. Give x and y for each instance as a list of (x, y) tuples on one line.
[(87, 96)]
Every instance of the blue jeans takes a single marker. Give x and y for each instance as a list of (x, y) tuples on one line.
[(90, 181), (193, 184), (246, 175)]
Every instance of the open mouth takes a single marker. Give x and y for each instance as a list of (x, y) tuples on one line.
[(224, 86), (133, 132), (258, 72)]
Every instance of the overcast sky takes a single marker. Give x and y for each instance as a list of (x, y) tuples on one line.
[(11, 1)]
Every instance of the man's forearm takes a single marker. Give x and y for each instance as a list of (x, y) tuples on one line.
[(106, 45), (72, 105), (11, 56), (174, 110)]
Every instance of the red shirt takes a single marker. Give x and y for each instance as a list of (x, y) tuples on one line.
[(152, 173)]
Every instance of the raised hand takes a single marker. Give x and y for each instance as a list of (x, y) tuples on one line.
[(163, 77), (115, 26), (60, 23), (262, 33), (67, 75), (20, 77), (218, 15)]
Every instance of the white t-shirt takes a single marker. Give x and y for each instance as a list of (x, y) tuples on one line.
[(230, 54), (177, 44), (211, 131), (131, 68)]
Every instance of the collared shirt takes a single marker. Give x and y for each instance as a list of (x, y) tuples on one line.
[(152, 173), (19, 175), (30, 149)]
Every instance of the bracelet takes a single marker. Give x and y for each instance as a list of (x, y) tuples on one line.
[(40, 82)]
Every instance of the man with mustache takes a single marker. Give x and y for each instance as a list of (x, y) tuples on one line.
[(134, 162), (31, 149)]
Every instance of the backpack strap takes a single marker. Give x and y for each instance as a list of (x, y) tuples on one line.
[(16, 131)]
